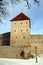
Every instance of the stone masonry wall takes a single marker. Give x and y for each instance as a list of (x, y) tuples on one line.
[(39, 48), (12, 52), (36, 41)]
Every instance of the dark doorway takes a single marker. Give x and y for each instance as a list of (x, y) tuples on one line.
[(22, 54)]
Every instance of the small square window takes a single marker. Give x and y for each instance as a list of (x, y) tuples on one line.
[(26, 29), (15, 23), (21, 22), (16, 37), (14, 30), (24, 37), (21, 30), (26, 22)]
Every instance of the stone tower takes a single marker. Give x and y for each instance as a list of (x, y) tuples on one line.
[(20, 30), (20, 35)]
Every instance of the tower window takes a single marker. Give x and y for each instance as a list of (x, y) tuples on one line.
[(16, 37), (26, 22), (15, 23), (26, 29), (14, 30), (24, 37), (21, 22), (21, 30)]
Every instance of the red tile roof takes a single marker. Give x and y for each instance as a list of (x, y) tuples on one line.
[(21, 16)]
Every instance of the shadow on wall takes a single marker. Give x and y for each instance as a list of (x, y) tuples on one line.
[(6, 39)]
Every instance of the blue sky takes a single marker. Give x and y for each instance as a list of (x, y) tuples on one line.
[(35, 13)]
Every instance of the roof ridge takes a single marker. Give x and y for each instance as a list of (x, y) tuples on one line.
[(20, 16)]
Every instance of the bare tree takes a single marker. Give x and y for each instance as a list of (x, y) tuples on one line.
[(3, 9), (27, 1), (37, 1), (15, 1)]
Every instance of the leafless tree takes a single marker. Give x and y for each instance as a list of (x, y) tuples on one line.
[(3, 9), (37, 1)]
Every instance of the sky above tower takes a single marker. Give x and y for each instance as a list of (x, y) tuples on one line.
[(35, 13)]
